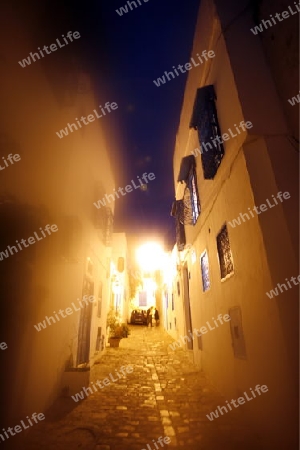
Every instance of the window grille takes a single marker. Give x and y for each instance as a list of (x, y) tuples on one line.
[(205, 120), (180, 235), (205, 271), (190, 210), (187, 207), (224, 252), (237, 334), (194, 196)]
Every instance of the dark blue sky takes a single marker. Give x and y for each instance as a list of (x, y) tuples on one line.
[(125, 54), (143, 44)]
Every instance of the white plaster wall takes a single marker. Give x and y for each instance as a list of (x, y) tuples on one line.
[(256, 164), (61, 175)]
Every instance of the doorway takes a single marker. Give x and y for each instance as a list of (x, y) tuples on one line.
[(187, 306), (84, 330)]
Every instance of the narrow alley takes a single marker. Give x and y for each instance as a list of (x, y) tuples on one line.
[(149, 237), (165, 395)]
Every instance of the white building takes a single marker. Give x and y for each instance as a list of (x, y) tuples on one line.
[(228, 269)]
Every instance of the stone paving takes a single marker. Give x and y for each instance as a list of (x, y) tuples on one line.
[(165, 395)]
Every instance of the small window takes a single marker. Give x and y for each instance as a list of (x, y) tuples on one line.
[(172, 301), (204, 271), (178, 288), (98, 340), (224, 252), (237, 334)]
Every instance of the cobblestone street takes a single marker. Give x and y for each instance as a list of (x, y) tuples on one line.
[(165, 395)]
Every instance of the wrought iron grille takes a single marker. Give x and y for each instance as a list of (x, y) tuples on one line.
[(187, 207), (180, 235), (205, 120), (194, 195), (224, 251)]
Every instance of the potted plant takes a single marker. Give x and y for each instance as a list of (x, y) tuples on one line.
[(116, 331), (125, 330)]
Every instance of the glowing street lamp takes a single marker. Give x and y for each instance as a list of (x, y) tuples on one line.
[(150, 256)]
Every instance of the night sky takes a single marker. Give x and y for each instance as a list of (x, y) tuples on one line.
[(124, 55), (143, 44)]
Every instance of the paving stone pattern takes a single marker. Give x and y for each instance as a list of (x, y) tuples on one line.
[(165, 395)]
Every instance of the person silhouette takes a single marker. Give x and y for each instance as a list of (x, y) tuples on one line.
[(149, 316), (156, 317)]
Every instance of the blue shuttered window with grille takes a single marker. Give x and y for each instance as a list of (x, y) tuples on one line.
[(205, 121)]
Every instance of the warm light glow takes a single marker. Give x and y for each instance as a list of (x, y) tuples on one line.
[(169, 269), (150, 256)]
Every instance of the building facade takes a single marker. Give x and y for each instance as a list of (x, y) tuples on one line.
[(119, 276), (55, 293), (236, 213)]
